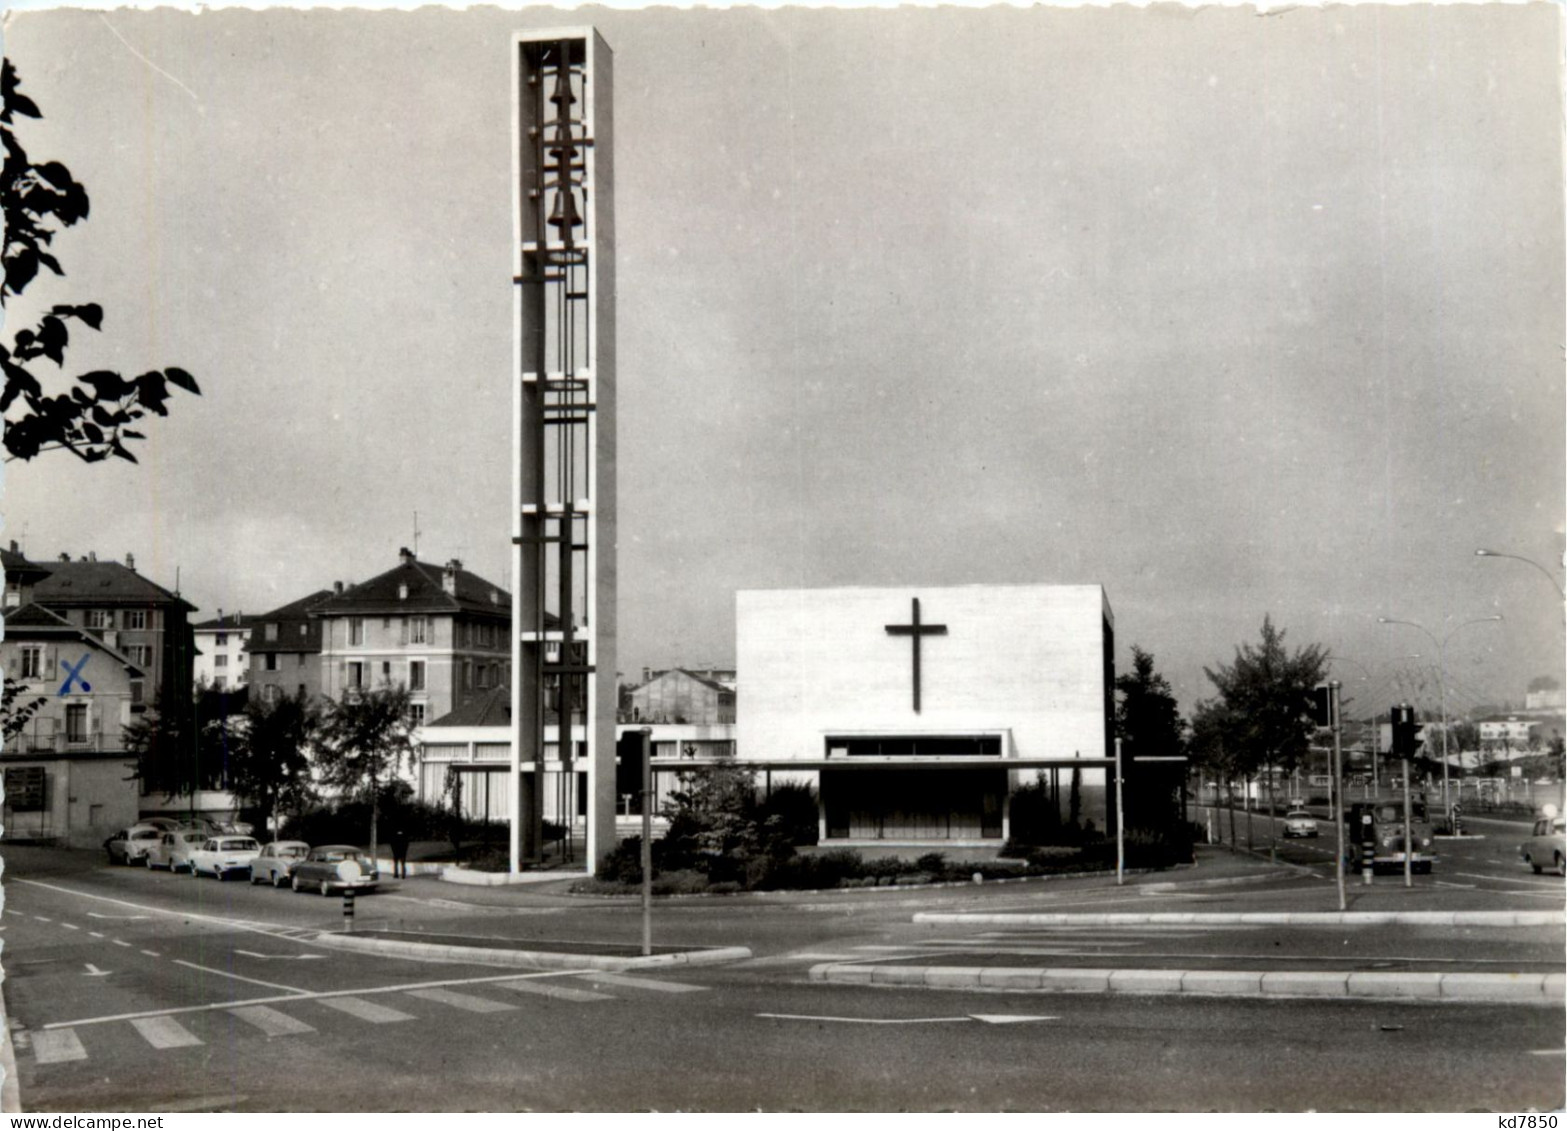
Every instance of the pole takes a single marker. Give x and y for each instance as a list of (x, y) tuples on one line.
[(1441, 671), (1338, 791), (1120, 831), (1376, 784), (1409, 836), (647, 842)]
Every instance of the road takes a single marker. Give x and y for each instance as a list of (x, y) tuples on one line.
[(131, 991)]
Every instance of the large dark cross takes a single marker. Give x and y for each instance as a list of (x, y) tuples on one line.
[(916, 630)]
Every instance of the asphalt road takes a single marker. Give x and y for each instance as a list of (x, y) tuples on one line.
[(133, 991)]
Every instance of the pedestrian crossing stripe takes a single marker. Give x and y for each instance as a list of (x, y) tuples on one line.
[(544, 989), (365, 1010), (272, 1022), (57, 1045), (165, 1032), (463, 1001)]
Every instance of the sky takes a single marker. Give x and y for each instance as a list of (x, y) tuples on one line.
[(1237, 315)]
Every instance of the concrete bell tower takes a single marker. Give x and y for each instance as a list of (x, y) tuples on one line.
[(563, 424)]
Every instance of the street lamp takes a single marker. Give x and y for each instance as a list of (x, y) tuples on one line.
[(1441, 672), (1530, 561)]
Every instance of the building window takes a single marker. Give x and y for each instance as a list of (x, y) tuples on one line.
[(386, 672), (356, 630), (304, 630), (32, 662), (484, 676), (467, 675), (416, 675), (416, 714), (301, 660), (301, 693), (271, 693), (136, 691), (269, 661), (220, 640), (139, 654), (100, 618), (356, 675), (219, 682), (418, 630), (220, 661), (134, 619), (76, 723), (270, 632)]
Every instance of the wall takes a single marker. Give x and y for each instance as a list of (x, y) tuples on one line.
[(87, 799)]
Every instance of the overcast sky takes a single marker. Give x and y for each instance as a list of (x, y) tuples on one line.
[(1234, 315)]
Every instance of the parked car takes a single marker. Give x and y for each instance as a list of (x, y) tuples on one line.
[(173, 849), (1298, 822), (336, 867), (223, 856), (276, 862), (128, 846), (167, 824), (1547, 843)]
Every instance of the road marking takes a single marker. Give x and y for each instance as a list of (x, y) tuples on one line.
[(41, 919), (1446, 884), (94, 972), (165, 1033), (987, 1018), (152, 954), (1548, 1052), (463, 1001), (565, 993), (255, 954), (240, 977), (365, 1010), (324, 995), (60, 1045), (119, 942), (96, 934), (270, 1021), (95, 915), (1510, 880), (643, 983), (70, 926)]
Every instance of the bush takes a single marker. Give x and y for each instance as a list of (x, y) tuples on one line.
[(795, 807), (933, 862)]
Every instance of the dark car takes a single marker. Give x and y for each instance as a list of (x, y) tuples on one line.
[(335, 867)]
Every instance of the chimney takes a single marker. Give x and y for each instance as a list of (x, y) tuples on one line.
[(92, 555), (406, 554), (65, 557), (14, 549), (337, 588), (647, 675), (449, 576), (130, 562)]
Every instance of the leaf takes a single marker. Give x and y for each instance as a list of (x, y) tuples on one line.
[(56, 174), (152, 391), (182, 379), (92, 432), (53, 337), (108, 385), (89, 313), (20, 270)]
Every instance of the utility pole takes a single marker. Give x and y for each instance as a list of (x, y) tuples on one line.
[(647, 841), (1338, 788)]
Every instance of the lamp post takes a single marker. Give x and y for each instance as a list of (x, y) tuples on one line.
[(1441, 673), (1549, 575)]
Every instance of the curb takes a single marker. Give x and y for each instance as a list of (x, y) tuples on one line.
[(1527, 989), (1274, 918), (452, 874), (528, 959), (10, 1086)]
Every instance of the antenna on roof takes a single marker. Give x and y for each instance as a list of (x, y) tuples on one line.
[(416, 534)]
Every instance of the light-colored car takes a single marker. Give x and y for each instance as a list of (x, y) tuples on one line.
[(1298, 822), (276, 862), (173, 849), (223, 856), (129, 846), (1547, 843), (167, 824), (335, 867)]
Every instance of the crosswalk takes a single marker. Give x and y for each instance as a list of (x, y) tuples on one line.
[(161, 1032)]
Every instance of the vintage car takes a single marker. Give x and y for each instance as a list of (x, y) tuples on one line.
[(335, 867), (173, 849), (129, 846), (223, 856), (1547, 843), (1298, 822), (276, 862)]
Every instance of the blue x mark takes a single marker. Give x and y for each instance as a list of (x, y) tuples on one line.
[(73, 674)]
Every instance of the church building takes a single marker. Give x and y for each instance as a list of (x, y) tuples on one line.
[(918, 711)]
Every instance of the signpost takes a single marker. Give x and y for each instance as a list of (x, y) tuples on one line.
[(647, 841)]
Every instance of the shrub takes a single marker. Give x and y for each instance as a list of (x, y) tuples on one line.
[(933, 862), (795, 806)]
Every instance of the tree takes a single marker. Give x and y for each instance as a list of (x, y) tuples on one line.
[(1268, 691), (1215, 747), (1149, 725), (164, 744), (713, 820), (15, 712), (268, 765), (364, 740), (92, 417)]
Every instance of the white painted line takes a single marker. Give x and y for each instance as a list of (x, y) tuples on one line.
[(1446, 884), (1548, 1052), (463, 1001), (119, 942), (270, 1021), (70, 926), (40, 918), (95, 915), (255, 954), (96, 934), (564, 993), (165, 1033), (864, 1020), (1011, 1018), (643, 983), (240, 978), (365, 1010), (152, 954), (1509, 880), (56, 1046)]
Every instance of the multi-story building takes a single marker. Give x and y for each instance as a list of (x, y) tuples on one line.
[(221, 661), (441, 631), (284, 649), (684, 696)]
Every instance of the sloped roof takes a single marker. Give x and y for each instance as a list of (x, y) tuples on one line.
[(101, 583), (32, 621), (655, 676), (18, 566), (382, 594), (289, 617), (492, 709), (236, 622)]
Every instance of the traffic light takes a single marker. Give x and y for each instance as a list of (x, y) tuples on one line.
[(1406, 739), (1322, 705), (628, 768)]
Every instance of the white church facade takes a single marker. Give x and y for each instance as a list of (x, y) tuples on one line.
[(918, 711)]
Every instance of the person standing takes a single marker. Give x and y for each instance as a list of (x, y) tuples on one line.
[(399, 842)]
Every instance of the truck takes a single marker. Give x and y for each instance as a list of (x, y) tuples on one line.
[(1382, 823)]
